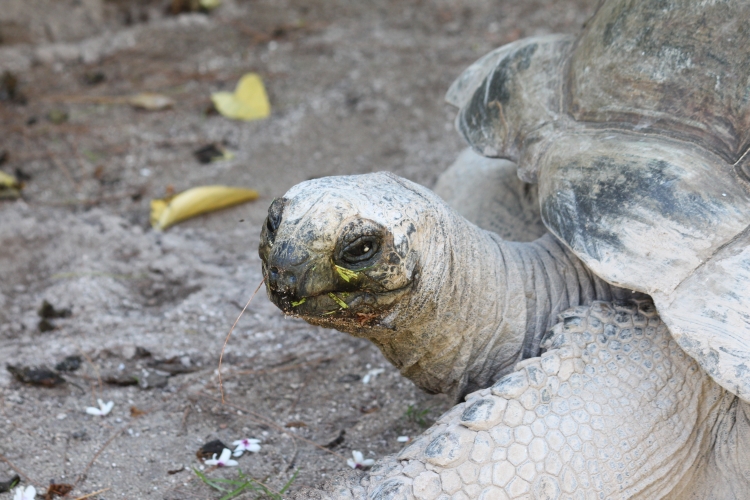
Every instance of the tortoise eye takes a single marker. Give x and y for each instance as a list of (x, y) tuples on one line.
[(361, 249)]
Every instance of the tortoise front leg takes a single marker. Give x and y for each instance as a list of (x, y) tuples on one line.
[(614, 409)]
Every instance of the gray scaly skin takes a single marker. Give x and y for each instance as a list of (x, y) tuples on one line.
[(613, 409)]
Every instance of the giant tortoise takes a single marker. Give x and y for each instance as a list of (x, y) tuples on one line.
[(610, 357)]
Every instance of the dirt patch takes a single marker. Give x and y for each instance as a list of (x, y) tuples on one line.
[(354, 88)]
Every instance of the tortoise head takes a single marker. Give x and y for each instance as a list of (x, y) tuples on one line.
[(340, 251)]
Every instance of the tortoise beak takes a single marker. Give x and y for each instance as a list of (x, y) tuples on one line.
[(285, 270), (285, 265), (292, 275)]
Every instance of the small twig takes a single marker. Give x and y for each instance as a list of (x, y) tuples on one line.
[(236, 304), (221, 356), (99, 452), (88, 495), (184, 419), (747, 150), (17, 470)]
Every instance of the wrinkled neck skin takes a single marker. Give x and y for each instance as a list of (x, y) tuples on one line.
[(480, 305)]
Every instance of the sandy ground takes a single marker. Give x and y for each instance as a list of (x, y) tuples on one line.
[(355, 87)]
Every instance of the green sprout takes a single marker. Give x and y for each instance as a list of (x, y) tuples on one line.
[(346, 274), (299, 302), (418, 416), (336, 299), (234, 487)]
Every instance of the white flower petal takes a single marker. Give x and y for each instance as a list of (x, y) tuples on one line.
[(358, 457), (351, 463), (403, 439), (225, 454), (231, 463), (246, 444), (104, 408), (368, 462), (372, 374), (211, 461), (21, 493), (238, 452)]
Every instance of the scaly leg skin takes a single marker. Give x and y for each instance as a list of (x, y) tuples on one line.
[(613, 409)]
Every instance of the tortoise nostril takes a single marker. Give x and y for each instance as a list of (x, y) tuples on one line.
[(273, 277), (282, 280)]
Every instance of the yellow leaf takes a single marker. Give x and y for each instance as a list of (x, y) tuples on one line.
[(225, 156), (210, 4), (346, 274), (10, 188), (8, 181), (150, 101), (248, 102), (196, 201), (158, 207), (337, 300)]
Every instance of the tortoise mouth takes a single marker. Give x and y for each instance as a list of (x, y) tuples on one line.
[(336, 307)]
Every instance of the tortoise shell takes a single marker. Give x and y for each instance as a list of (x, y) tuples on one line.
[(637, 133)]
